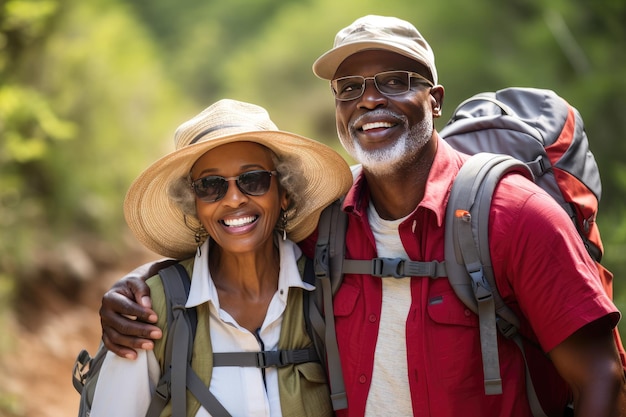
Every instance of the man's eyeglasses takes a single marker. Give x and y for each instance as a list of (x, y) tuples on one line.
[(213, 188), (389, 83)]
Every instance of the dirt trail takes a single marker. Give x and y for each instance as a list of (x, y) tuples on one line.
[(36, 366), (39, 365)]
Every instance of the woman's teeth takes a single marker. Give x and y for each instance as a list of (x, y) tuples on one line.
[(241, 221)]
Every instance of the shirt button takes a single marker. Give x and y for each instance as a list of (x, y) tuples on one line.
[(467, 312), (372, 318), (362, 379)]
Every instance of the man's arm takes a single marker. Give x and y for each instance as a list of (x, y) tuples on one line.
[(589, 362), (126, 312)]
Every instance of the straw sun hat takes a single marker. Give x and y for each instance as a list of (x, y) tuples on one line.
[(159, 223)]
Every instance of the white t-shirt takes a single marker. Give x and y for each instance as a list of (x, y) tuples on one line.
[(390, 382)]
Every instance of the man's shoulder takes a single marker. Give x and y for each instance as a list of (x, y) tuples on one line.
[(515, 189), (157, 292)]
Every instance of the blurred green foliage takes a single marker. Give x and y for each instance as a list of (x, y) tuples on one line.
[(91, 92), (84, 104)]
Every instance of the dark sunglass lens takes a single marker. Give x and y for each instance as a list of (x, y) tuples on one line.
[(255, 182), (211, 188)]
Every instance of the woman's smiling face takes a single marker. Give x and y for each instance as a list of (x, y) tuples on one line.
[(239, 222)]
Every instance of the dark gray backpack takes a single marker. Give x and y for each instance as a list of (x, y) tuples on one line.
[(547, 134)]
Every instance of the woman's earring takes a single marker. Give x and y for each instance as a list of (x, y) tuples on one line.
[(200, 236), (283, 224)]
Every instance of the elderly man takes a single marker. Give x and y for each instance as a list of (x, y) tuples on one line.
[(409, 346)]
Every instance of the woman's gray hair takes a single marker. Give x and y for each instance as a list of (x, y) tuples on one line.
[(289, 178)]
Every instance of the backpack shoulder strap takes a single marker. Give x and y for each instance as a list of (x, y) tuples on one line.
[(172, 384), (313, 320), (183, 376), (326, 271), (182, 323), (468, 260), (330, 248), (327, 268), (179, 375), (467, 225)]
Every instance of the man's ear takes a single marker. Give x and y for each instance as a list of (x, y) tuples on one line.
[(436, 95)]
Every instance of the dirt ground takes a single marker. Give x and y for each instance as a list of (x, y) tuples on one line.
[(37, 357), (39, 364)]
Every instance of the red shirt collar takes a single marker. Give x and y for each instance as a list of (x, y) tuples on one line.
[(445, 166)]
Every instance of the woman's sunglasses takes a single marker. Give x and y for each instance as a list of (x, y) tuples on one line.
[(213, 187)]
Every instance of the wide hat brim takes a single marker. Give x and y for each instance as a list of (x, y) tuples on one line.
[(158, 223)]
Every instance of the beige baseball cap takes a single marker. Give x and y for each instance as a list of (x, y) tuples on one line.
[(376, 32)]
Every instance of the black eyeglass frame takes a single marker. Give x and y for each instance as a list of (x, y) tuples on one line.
[(410, 74), (194, 184)]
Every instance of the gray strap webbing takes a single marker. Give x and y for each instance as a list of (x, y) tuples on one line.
[(172, 384), (533, 400), (327, 263), (160, 397), (394, 267), (265, 359), (494, 168), (476, 178), (472, 193), (204, 396), (179, 375), (181, 342), (180, 355), (338, 391), (485, 303), (318, 325)]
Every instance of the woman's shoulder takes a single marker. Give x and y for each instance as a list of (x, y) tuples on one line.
[(156, 281), (157, 292)]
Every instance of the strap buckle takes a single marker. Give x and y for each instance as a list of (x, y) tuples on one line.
[(266, 359), (388, 267), (280, 358), (321, 261)]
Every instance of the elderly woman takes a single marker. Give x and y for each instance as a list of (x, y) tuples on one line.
[(230, 202)]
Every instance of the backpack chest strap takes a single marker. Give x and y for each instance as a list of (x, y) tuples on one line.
[(394, 267), (265, 359)]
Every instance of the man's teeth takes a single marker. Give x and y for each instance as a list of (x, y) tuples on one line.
[(376, 125), (241, 221)]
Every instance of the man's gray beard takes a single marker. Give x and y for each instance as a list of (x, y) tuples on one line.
[(386, 160)]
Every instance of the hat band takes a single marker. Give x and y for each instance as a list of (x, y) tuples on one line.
[(209, 130)]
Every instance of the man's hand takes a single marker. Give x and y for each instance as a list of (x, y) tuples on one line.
[(126, 312)]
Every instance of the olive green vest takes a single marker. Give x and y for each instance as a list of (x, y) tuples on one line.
[(302, 387)]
